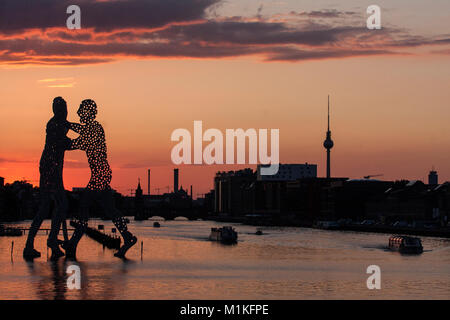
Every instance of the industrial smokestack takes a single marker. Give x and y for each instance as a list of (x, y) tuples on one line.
[(148, 182), (175, 180)]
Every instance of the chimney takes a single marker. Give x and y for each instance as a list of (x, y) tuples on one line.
[(148, 182), (175, 180)]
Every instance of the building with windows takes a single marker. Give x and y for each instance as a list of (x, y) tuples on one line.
[(228, 189)]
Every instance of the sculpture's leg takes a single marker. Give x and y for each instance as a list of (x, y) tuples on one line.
[(64, 226), (82, 220), (29, 252), (129, 240), (58, 217)]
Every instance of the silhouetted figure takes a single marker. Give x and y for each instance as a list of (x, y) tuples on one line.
[(92, 140), (51, 181)]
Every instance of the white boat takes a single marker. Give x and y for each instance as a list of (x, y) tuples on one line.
[(225, 235)]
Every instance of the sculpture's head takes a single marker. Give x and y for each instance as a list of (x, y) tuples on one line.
[(87, 111), (60, 108)]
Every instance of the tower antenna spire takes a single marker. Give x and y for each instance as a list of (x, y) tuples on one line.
[(328, 112), (328, 143)]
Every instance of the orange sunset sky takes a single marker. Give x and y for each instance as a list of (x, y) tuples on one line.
[(155, 66)]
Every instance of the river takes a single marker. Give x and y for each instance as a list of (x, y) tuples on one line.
[(178, 262)]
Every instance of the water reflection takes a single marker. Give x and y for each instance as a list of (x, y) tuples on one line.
[(179, 263), (49, 279)]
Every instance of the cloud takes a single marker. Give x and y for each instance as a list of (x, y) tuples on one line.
[(67, 163), (145, 164), (442, 52), (10, 160), (75, 164), (56, 79), (67, 85), (285, 54), (328, 13), (58, 82), (18, 15), (149, 29)]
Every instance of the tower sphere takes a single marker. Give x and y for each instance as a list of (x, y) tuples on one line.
[(328, 144)]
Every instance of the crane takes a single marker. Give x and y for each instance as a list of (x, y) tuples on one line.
[(373, 175)]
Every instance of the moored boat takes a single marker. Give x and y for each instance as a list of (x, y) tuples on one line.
[(225, 235), (327, 225), (10, 232), (405, 244)]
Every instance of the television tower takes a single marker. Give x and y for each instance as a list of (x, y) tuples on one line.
[(328, 143)]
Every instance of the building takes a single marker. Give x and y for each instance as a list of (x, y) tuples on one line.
[(20, 201), (139, 209), (306, 199), (167, 205), (2, 182), (404, 201), (433, 178), (228, 191), (289, 172), (353, 197), (441, 203)]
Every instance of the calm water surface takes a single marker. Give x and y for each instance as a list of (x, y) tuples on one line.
[(179, 262)]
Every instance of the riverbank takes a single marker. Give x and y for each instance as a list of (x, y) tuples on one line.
[(442, 232)]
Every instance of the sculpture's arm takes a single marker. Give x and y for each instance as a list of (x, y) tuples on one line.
[(67, 143), (75, 127), (74, 144)]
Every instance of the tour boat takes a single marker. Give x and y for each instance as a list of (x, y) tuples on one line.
[(156, 224), (404, 244), (225, 235)]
